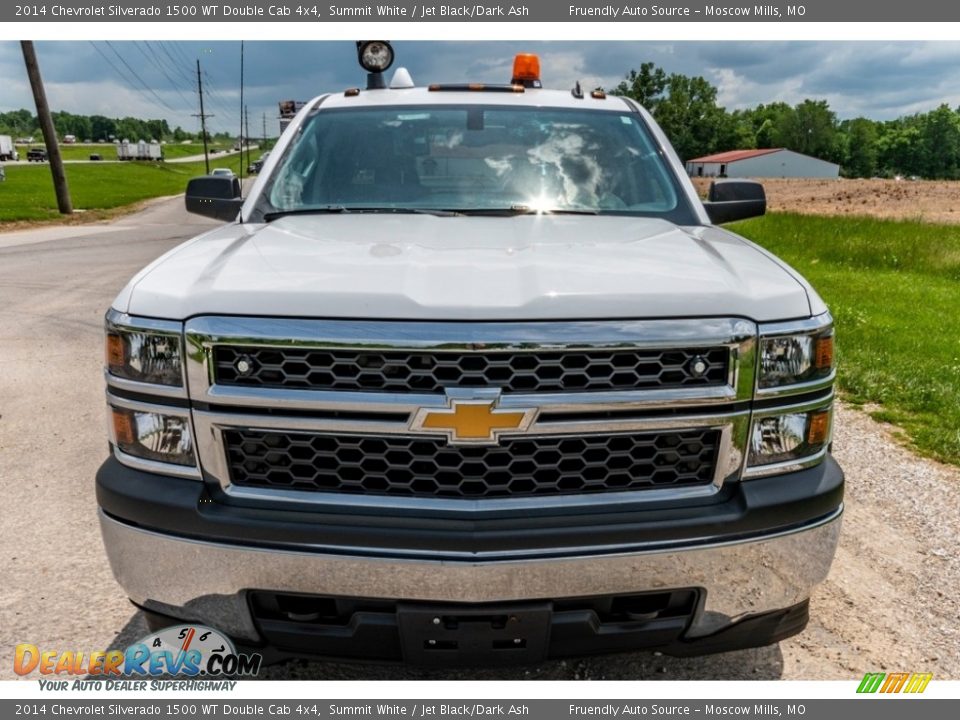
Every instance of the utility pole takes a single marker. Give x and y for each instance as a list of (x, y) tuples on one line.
[(264, 133), (246, 134), (46, 125), (203, 119), (242, 136)]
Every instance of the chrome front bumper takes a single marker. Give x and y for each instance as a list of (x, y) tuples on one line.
[(206, 582)]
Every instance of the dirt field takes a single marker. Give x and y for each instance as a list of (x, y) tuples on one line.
[(935, 201)]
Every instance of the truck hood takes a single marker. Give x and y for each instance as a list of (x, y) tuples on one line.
[(471, 268)]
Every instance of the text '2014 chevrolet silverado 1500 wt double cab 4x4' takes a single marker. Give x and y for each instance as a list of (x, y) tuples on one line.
[(471, 376)]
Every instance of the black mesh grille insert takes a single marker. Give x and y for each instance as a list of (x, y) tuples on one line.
[(413, 467), (431, 372)]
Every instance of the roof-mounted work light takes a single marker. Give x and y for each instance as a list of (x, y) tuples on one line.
[(375, 56)]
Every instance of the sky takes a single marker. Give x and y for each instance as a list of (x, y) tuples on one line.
[(157, 79)]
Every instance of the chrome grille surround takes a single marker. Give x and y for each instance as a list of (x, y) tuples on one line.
[(433, 372), (223, 408)]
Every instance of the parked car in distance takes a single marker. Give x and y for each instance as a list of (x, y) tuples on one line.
[(95, 157), (257, 165), (223, 172), (36, 155)]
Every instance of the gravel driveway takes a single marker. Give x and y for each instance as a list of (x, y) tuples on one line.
[(890, 603)]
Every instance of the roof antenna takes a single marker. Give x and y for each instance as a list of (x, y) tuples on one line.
[(577, 91)]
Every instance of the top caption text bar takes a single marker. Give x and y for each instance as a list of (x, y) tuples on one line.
[(531, 11)]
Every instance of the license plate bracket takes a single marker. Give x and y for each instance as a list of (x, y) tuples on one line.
[(447, 634)]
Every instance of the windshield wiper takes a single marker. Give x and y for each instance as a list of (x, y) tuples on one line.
[(318, 210), (523, 210), (343, 209)]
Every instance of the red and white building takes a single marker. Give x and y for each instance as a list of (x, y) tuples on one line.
[(763, 163)]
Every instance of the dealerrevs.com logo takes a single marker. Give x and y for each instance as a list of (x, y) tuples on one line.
[(182, 650)]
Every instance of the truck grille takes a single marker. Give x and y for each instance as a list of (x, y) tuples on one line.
[(431, 372), (414, 467)]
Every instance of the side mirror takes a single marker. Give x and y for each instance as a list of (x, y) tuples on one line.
[(730, 200), (215, 197)]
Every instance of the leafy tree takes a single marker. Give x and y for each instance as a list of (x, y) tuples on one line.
[(812, 130), (18, 123), (690, 116), (685, 107), (736, 131), (940, 143), (859, 138), (102, 128), (646, 87), (768, 122), (897, 147)]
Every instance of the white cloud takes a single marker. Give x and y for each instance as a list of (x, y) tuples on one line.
[(879, 80)]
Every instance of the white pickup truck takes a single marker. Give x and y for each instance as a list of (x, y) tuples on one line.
[(471, 376)]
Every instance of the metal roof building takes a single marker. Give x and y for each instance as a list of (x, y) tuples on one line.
[(764, 163)]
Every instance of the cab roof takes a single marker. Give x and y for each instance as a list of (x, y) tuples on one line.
[(531, 97)]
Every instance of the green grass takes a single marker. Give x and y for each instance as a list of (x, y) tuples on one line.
[(27, 194), (894, 291)]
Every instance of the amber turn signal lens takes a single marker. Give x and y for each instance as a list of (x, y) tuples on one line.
[(115, 354), (526, 66), (123, 427), (823, 354), (819, 428)]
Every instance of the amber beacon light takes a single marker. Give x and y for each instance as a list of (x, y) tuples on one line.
[(526, 70)]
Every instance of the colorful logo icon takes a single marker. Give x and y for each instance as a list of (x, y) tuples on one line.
[(900, 682)]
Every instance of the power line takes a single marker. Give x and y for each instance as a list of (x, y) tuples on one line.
[(178, 79), (214, 94), (214, 98), (179, 51), (123, 76), (139, 79), (178, 65), (163, 70)]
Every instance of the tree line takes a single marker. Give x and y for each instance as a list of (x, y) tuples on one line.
[(97, 128), (924, 144)]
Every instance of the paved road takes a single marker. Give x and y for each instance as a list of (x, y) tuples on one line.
[(890, 602), (55, 286)]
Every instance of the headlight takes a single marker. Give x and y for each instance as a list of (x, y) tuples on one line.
[(153, 436), (794, 359), (144, 356), (789, 436)]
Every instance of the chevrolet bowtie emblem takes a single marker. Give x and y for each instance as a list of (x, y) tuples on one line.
[(472, 422)]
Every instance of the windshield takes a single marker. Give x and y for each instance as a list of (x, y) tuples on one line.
[(474, 159)]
